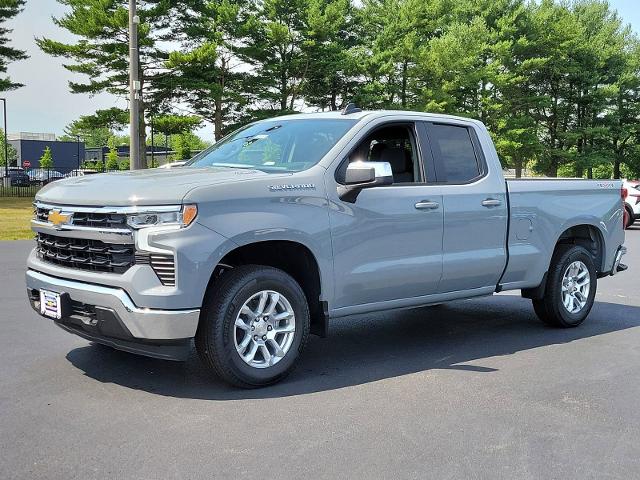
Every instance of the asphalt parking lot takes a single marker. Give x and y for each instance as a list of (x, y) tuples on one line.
[(474, 389)]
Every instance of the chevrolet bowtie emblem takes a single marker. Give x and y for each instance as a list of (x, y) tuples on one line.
[(58, 219)]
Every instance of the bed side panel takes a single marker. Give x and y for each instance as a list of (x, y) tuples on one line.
[(541, 210)]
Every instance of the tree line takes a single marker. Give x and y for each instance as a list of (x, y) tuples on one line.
[(556, 82)]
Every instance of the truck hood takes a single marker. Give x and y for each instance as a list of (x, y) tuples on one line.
[(141, 187)]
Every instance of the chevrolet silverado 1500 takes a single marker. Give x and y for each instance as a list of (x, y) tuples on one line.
[(288, 222)]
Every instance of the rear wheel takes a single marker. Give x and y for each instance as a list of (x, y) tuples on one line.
[(570, 289), (253, 326)]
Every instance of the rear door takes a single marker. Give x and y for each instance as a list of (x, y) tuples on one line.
[(475, 209)]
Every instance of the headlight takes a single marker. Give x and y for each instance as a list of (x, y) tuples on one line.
[(180, 218)]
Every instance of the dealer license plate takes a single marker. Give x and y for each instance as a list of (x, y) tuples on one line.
[(50, 304)]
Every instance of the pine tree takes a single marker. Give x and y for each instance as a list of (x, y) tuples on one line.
[(8, 10), (276, 49), (330, 47), (514, 127), (209, 75), (102, 51), (396, 35)]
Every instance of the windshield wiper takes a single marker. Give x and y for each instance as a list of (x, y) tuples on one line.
[(258, 135), (233, 165)]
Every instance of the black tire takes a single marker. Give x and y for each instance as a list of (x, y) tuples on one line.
[(551, 309), (631, 218), (215, 336)]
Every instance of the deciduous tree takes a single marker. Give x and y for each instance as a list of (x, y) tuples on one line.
[(46, 160)]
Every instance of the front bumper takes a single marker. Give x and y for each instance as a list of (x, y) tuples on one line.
[(196, 251), (108, 315)]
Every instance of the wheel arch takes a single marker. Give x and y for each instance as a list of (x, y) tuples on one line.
[(294, 258), (588, 236), (584, 234)]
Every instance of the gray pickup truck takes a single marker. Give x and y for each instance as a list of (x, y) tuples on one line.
[(288, 222)]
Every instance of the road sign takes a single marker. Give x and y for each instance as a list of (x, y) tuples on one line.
[(26, 164)]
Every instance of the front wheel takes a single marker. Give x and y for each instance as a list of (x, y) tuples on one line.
[(253, 326), (570, 289)]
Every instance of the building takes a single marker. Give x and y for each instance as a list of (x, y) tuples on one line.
[(30, 147), (161, 154)]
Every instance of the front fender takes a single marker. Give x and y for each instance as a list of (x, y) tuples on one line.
[(263, 215)]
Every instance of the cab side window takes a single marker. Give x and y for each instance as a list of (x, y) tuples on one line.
[(453, 148), (394, 144)]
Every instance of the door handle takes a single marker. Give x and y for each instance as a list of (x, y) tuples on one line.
[(427, 205), (491, 202)]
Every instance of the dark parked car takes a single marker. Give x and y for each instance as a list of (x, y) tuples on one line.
[(43, 177), (17, 176)]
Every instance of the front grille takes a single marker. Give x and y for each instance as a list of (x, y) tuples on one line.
[(108, 220), (42, 214), (96, 255), (82, 219), (85, 254)]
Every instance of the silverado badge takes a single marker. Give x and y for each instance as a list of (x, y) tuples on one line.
[(58, 219), (298, 186)]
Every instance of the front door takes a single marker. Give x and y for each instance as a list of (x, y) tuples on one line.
[(388, 244)]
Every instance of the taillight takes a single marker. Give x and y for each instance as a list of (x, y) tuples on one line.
[(623, 195)]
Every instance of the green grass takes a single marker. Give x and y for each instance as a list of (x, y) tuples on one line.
[(15, 215)]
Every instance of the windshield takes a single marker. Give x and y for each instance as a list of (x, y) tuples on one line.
[(275, 145)]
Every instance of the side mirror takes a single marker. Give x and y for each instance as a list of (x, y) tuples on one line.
[(361, 175)]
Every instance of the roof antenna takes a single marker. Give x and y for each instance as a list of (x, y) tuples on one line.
[(351, 108)]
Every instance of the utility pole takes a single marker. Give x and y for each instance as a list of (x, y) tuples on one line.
[(134, 90), (6, 143)]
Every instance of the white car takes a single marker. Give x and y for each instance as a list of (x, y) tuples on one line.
[(81, 172), (632, 201), (173, 164)]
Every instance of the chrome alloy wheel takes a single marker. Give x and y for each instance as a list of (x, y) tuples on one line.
[(264, 329), (576, 283)]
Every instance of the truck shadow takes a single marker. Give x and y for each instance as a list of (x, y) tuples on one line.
[(363, 349)]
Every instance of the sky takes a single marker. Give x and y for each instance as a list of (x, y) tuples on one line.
[(45, 104)]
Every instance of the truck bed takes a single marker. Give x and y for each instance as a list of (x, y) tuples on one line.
[(541, 210)]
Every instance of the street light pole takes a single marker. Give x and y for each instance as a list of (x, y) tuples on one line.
[(134, 89), (6, 143), (153, 147)]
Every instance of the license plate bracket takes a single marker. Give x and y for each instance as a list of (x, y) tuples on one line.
[(51, 304)]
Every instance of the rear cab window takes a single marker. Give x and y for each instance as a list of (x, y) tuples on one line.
[(456, 153)]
